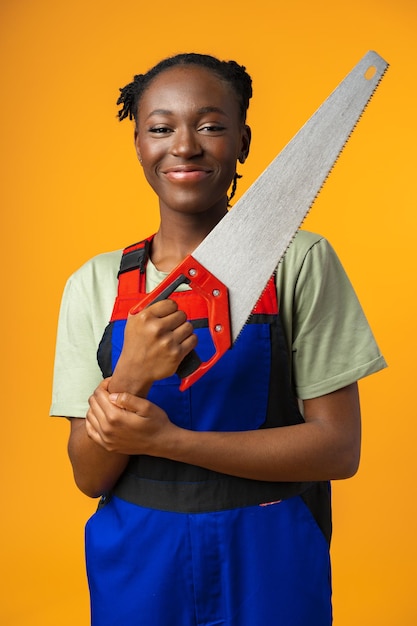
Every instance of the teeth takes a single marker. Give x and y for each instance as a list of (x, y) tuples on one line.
[(340, 152), (273, 208)]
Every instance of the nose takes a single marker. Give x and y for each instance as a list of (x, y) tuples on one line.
[(186, 143)]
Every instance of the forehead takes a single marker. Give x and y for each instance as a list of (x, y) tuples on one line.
[(191, 86)]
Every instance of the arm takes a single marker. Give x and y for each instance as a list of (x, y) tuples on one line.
[(326, 446), (156, 341), (95, 469)]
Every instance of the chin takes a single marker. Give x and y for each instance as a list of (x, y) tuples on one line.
[(190, 204)]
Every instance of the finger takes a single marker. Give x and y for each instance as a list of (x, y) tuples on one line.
[(189, 344), (164, 324), (129, 402), (100, 395), (105, 383), (165, 313), (92, 426), (183, 332), (96, 416), (102, 413), (162, 308), (174, 320)]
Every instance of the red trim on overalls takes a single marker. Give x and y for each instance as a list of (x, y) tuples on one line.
[(132, 283)]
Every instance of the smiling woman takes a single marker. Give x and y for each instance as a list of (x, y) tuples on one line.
[(189, 141), (215, 501)]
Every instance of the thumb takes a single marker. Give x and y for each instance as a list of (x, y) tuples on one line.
[(127, 401)]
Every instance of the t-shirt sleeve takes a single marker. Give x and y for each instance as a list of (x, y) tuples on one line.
[(85, 311), (331, 344)]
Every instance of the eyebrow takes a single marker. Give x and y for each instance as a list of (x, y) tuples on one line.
[(211, 109), (201, 111), (159, 112)]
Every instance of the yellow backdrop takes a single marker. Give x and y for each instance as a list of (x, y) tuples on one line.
[(72, 188)]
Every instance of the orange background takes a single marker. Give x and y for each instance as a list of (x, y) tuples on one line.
[(72, 188)]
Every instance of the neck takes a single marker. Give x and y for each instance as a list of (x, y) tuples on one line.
[(178, 236)]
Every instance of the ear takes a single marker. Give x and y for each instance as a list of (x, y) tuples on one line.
[(137, 146), (245, 144)]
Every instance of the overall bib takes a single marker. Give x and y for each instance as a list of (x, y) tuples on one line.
[(178, 545)]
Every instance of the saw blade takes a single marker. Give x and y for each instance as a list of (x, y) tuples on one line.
[(246, 246)]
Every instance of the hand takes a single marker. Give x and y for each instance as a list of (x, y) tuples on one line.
[(156, 340), (126, 424)]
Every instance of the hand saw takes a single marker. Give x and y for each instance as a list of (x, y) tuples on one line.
[(232, 265)]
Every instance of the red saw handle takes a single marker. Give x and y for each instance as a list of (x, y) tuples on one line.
[(191, 272)]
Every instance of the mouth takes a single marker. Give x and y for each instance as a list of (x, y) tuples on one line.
[(186, 172)]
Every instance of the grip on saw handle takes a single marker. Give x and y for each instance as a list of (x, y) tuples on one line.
[(215, 293)]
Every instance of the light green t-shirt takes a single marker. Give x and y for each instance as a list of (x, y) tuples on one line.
[(329, 340)]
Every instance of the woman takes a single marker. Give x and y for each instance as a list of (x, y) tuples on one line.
[(215, 503)]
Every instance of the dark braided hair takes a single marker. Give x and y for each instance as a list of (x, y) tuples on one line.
[(229, 71)]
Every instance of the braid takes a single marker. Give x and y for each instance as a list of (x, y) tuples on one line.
[(229, 71), (129, 98), (234, 185)]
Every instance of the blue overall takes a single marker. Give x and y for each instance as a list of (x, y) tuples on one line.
[(178, 545)]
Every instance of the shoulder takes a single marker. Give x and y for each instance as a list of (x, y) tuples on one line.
[(304, 240), (304, 243), (93, 286), (308, 252), (102, 265), (311, 269), (97, 276)]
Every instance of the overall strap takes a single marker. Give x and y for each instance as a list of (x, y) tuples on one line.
[(135, 256), (131, 277)]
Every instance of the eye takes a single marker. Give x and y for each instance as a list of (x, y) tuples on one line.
[(159, 130), (212, 128)]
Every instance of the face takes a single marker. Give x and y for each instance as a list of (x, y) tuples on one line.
[(188, 137)]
